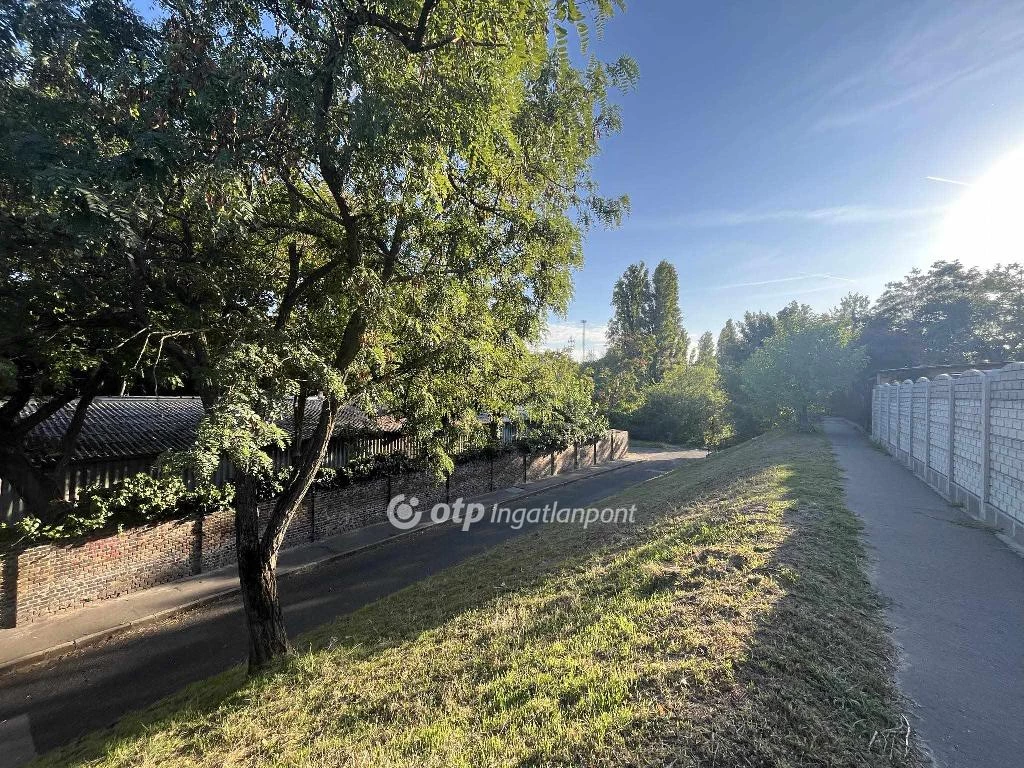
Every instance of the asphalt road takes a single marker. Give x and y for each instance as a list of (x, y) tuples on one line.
[(53, 703)]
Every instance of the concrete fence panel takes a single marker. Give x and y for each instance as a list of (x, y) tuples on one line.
[(919, 424), (967, 431), (964, 434), (938, 424), (1006, 440)]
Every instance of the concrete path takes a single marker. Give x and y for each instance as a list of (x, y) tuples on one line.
[(957, 608), (51, 703)]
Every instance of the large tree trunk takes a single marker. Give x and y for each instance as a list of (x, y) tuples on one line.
[(258, 546), (257, 576)]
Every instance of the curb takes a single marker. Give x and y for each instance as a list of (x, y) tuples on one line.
[(95, 638)]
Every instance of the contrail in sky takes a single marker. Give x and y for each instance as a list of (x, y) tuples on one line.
[(948, 181)]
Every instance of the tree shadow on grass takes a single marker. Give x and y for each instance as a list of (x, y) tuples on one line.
[(733, 625)]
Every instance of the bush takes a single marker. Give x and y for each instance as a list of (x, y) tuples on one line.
[(137, 500), (688, 407)]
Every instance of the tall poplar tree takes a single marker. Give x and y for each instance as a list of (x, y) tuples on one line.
[(671, 342)]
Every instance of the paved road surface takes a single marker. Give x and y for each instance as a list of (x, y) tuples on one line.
[(957, 608), (56, 702)]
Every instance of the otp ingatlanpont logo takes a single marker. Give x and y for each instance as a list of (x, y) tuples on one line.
[(402, 514)]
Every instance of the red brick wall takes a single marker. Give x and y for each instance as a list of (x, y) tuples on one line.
[(50, 578)]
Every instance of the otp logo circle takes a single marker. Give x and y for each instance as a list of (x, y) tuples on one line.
[(402, 514)]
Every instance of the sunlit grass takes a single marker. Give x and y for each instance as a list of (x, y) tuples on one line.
[(732, 625)]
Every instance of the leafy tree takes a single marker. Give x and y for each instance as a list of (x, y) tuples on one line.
[(632, 306), (556, 397), (942, 316), (795, 373), (72, 78), (1004, 285), (852, 313), (622, 376), (688, 407), (704, 354), (670, 338), (728, 348), (423, 172)]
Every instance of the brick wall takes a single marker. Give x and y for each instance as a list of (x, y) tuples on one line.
[(47, 579), (565, 460)]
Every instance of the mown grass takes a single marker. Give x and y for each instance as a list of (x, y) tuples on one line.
[(732, 625)]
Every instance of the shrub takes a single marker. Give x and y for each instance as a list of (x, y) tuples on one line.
[(687, 407), (137, 500)]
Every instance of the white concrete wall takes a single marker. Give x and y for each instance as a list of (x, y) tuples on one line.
[(964, 435), (938, 424)]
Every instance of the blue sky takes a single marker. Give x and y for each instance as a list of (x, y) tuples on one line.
[(781, 151)]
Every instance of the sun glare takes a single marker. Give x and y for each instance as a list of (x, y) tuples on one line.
[(986, 225)]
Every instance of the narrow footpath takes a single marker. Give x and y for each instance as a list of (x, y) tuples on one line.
[(957, 608), (51, 703)]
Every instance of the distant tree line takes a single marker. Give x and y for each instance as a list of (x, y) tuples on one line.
[(789, 366)]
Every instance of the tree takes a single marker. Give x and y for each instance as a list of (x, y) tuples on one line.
[(704, 354), (72, 78), (728, 348), (688, 407), (796, 372), (622, 376), (942, 316), (1005, 287), (405, 184), (670, 339), (632, 306), (556, 397)]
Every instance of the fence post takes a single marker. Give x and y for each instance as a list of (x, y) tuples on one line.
[(910, 422), (952, 428), (986, 408), (927, 427), (899, 417)]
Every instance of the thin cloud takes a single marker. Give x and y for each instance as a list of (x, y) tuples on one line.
[(777, 280), (937, 48), (944, 180), (839, 214)]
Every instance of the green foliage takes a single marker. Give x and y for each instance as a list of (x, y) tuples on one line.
[(688, 407), (670, 339), (797, 370), (704, 354), (380, 202), (137, 500), (558, 408), (947, 315)]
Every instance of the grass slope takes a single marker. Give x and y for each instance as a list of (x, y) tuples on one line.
[(732, 626)]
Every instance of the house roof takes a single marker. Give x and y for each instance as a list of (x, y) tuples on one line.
[(123, 427)]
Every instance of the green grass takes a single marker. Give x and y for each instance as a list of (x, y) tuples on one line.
[(731, 626)]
